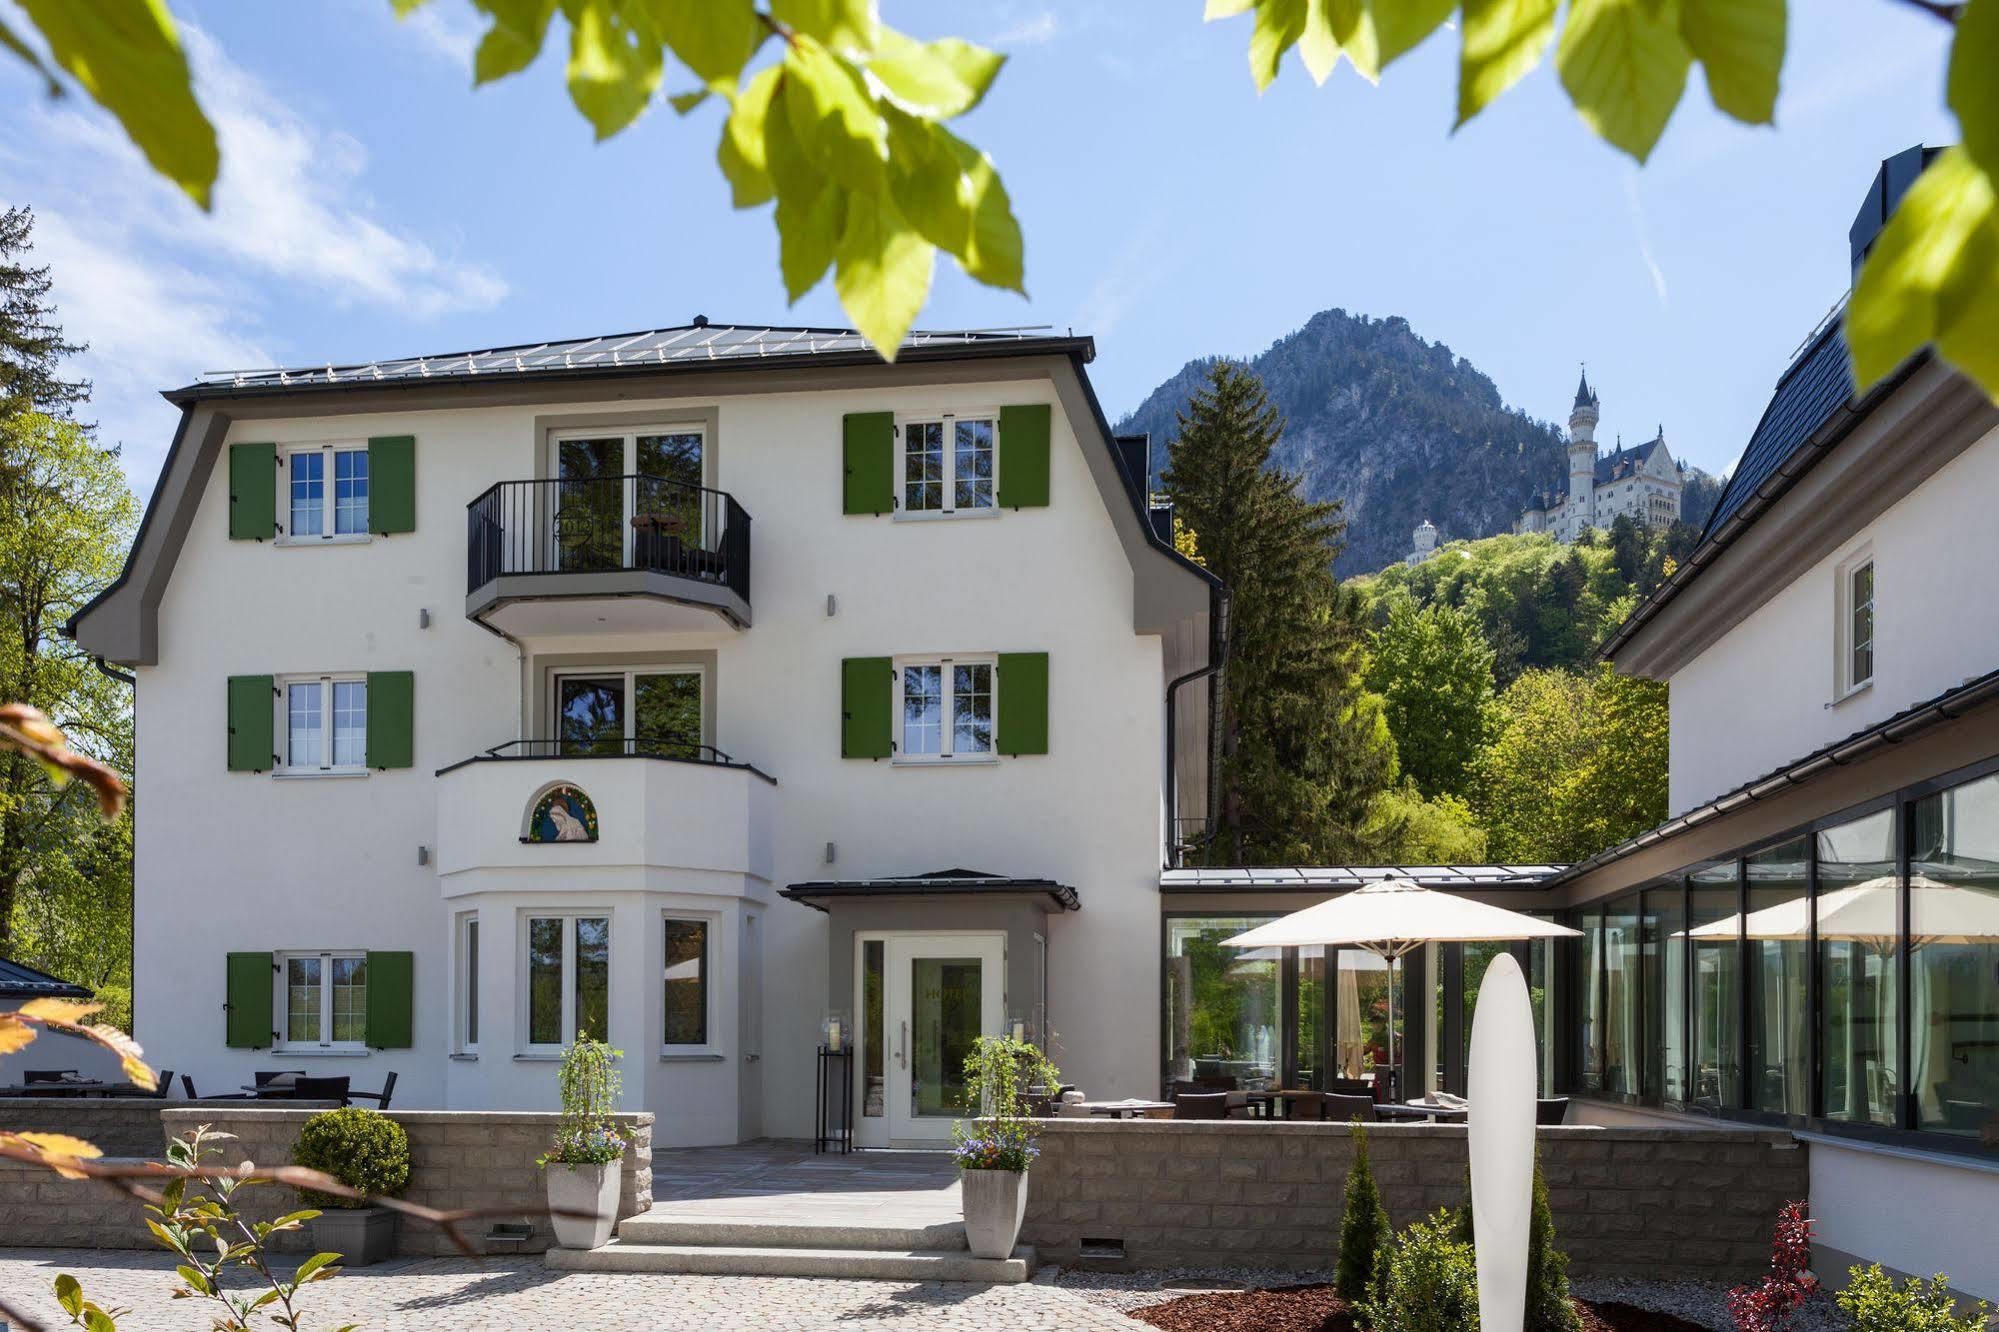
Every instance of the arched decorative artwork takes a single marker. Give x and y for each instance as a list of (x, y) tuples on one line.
[(562, 813)]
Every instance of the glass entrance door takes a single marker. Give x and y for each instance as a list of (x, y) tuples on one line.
[(943, 992), (619, 497)]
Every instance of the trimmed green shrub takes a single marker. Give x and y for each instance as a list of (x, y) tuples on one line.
[(1548, 1306), (1875, 1303), (1429, 1282), (1364, 1227), (363, 1149)]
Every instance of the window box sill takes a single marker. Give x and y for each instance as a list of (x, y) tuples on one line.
[(314, 1052), (537, 1058), (982, 761), (1852, 693), (941, 516), (699, 1057), (465, 1056), (315, 774), (303, 543)]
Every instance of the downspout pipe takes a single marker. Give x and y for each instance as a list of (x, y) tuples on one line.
[(106, 668), (1217, 658)]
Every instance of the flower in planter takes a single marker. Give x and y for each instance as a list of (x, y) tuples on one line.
[(1001, 1131)]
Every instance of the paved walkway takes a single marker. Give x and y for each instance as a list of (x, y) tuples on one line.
[(786, 1183), (510, 1294)]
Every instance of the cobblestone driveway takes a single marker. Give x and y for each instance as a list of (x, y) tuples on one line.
[(509, 1295)]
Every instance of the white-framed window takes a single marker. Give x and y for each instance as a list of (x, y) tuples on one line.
[(944, 709), (687, 956), (1855, 631), (565, 984), (465, 1025), (323, 492), (655, 710), (324, 722), (622, 493), (948, 464), (323, 1000)]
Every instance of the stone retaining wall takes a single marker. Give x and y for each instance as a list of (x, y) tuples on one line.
[(458, 1159), (118, 1125), (1654, 1202)]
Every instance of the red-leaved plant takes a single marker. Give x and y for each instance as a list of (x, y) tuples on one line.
[(1768, 1306)]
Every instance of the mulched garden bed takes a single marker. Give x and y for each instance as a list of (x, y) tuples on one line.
[(1318, 1308)]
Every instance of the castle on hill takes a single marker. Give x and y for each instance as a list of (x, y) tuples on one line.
[(1644, 483)]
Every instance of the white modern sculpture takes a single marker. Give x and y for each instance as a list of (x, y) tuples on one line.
[(1500, 1085)]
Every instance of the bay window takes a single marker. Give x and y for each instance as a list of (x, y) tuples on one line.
[(567, 980)]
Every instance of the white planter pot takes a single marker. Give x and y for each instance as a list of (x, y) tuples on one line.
[(995, 1204), (583, 1188)]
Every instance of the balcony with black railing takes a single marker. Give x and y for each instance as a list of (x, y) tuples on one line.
[(606, 554)]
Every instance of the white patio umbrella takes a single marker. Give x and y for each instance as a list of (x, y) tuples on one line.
[(1391, 917), (1868, 912)]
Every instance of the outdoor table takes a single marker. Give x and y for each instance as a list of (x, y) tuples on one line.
[(1413, 1110), (86, 1088), (1270, 1101), (1128, 1109)]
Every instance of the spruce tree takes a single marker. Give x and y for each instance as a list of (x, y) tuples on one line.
[(1305, 749), (1548, 1305), (1364, 1229), (31, 342)]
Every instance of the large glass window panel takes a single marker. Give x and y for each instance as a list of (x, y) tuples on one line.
[(686, 982), (1623, 1053), (593, 978), (1861, 665), (1714, 921), (350, 999), (972, 709), (1309, 1019), (668, 497), (1859, 892), (1591, 1035), (545, 980), (472, 981), (350, 492), (1954, 961), (922, 710), (350, 723), (1363, 1026), (946, 999), (303, 725), (1541, 981), (303, 978), (591, 714), (666, 713), (589, 515), (874, 1033), (923, 467), (1779, 1034), (972, 464), (1221, 1004), (1665, 957), (672, 457), (1478, 956), (308, 493)]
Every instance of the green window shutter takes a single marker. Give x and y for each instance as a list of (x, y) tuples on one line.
[(391, 1000), (248, 1003), (253, 737), (392, 484), (1023, 460), (1023, 702), (391, 719), (253, 492), (868, 451), (864, 707)]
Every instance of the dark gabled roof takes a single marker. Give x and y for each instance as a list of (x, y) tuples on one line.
[(1336, 878), (1815, 386), (1622, 461), (21, 981), (937, 883)]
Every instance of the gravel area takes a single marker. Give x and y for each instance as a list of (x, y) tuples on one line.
[(1125, 1291), (1703, 1302)]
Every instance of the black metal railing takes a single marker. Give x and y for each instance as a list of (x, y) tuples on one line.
[(608, 524), (664, 747)]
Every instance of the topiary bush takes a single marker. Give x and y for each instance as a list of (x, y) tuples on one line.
[(1364, 1226), (363, 1149), (1873, 1302), (1428, 1283), (1549, 1308)]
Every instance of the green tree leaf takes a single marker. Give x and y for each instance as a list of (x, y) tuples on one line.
[(69, 1294), (1933, 276), (515, 39), (1740, 44), (938, 79), (845, 25), (127, 56), (951, 193), (836, 121), (1503, 41), (714, 38), (1401, 25), (1625, 66), (1221, 9), (882, 270), (614, 69), (810, 208), (1279, 25), (1335, 28), (742, 150), (1974, 82)]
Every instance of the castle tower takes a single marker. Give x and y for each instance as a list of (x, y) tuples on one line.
[(1581, 508), (1424, 541)]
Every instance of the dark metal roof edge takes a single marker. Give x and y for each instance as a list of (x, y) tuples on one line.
[(145, 525), (1082, 347), (1801, 460), (46, 987), (1904, 725), (1061, 894)]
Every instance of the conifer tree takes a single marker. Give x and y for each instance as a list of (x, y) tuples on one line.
[(1305, 749), (1365, 1232), (31, 342)]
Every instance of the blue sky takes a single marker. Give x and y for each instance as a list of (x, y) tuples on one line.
[(372, 204)]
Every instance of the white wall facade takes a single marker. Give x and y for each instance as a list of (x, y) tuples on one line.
[(231, 861), (1768, 692)]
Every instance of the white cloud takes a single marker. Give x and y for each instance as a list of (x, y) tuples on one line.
[(1644, 239), (1036, 29), (444, 30), (1141, 264), (162, 291)]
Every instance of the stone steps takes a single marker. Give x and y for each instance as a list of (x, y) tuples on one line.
[(669, 1229), (853, 1264)]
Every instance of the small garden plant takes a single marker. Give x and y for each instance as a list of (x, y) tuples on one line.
[(590, 1085), (1768, 1305), (1364, 1227), (1001, 1131), (1427, 1282), (363, 1149), (1872, 1302)]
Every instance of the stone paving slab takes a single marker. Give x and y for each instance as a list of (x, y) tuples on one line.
[(507, 1294)]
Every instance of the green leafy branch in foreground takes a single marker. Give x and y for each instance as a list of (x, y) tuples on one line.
[(1933, 275), (843, 130)]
